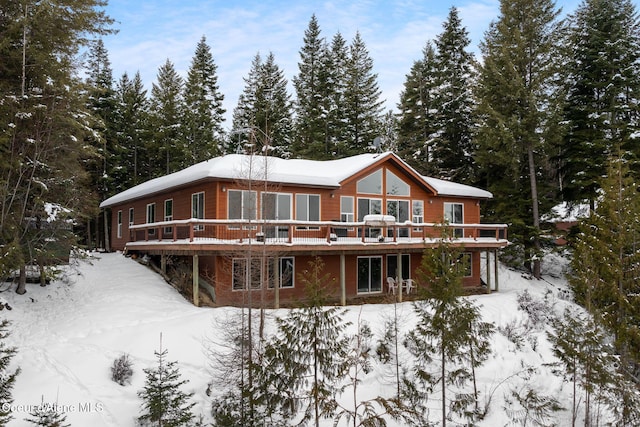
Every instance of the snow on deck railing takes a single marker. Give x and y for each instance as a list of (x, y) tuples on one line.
[(290, 231)]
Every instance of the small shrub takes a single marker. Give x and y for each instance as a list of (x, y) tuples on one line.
[(121, 371), (538, 310)]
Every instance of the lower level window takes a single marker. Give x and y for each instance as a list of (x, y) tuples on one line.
[(464, 264), (277, 270), (369, 274), (246, 273), (283, 275)]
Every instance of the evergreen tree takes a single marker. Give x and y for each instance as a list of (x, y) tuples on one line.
[(362, 104), (7, 378), (305, 361), (516, 80), (131, 127), (203, 112), (602, 107), (44, 124), (452, 143), (163, 403), (48, 415), (335, 103), (102, 103), (166, 146), (581, 346), (606, 264), (263, 113), (417, 122), (449, 333), (312, 96)]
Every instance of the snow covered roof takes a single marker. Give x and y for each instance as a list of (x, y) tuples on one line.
[(327, 173), (449, 188)]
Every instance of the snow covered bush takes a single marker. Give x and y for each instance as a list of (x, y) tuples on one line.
[(121, 371), (539, 311)]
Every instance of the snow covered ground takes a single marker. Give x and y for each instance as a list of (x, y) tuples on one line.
[(68, 335)]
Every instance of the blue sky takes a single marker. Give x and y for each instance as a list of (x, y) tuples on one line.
[(395, 32)]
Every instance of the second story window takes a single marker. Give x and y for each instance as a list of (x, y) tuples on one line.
[(242, 204), (131, 217), (168, 214), (307, 207), (371, 184), (346, 209), (453, 214), (151, 216), (417, 213), (197, 208)]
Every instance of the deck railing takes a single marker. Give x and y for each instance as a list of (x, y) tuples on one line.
[(291, 232)]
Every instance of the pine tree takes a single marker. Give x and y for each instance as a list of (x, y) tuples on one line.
[(362, 104), (131, 127), (166, 147), (581, 346), (417, 122), (7, 378), (203, 112), (449, 333), (44, 125), (605, 266), (163, 403), (516, 80), (48, 415), (602, 108), (312, 93), (304, 363), (335, 104), (452, 143), (263, 113)]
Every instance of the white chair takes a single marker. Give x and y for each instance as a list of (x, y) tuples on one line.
[(391, 285), (408, 285)]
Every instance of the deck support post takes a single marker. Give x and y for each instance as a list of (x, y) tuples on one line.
[(495, 265), (399, 276), (276, 291), (488, 266), (196, 280), (163, 263), (343, 281)]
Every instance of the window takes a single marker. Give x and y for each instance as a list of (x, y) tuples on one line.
[(240, 273), (366, 207), (168, 214), (242, 204), (464, 264), (392, 266), (369, 274), (119, 230), (197, 208), (417, 213), (371, 184), (131, 217), (151, 216), (285, 272), (276, 206), (396, 186), (399, 209), (346, 209), (453, 215), (307, 207)]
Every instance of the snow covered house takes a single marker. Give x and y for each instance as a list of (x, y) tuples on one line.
[(255, 222)]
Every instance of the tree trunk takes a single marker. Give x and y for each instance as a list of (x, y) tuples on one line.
[(107, 242), (22, 281), (536, 215)]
